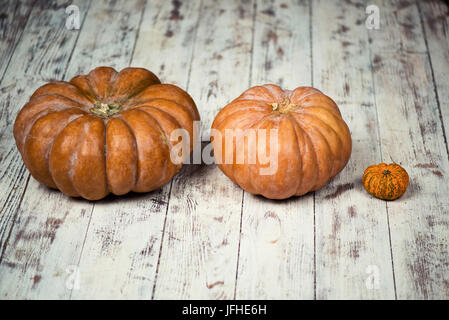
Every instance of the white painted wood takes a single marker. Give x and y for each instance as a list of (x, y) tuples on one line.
[(435, 19), (200, 246), (352, 239), (44, 246), (221, 63), (42, 53), (108, 36), (29, 232), (124, 238), (276, 259), (13, 173), (166, 40), (41, 233), (13, 18), (281, 53), (184, 241), (121, 249), (411, 134), (199, 251)]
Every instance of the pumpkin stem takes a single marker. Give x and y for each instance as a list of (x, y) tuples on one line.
[(386, 172), (284, 107), (105, 110)]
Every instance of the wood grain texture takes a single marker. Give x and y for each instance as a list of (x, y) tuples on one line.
[(223, 44), (352, 238), (13, 18), (199, 252), (108, 36), (62, 252), (411, 135), (45, 245), (200, 236), (45, 47), (435, 20), (166, 40), (276, 257), (121, 249), (125, 233)]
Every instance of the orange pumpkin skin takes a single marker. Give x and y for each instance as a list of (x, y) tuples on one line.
[(385, 181), (314, 142), (103, 132)]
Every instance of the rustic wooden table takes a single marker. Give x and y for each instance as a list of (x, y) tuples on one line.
[(201, 236)]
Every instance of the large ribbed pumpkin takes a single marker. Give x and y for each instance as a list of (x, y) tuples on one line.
[(313, 141), (103, 132)]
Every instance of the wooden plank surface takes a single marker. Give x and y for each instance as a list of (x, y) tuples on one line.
[(276, 257), (125, 233), (13, 18), (352, 238), (44, 28), (411, 135), (44, 270), (42, 54), (434, 17), (199, 251), (201, 236)]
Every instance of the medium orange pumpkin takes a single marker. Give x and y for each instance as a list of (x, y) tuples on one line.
[(385, 181), (103, 132), (313, 141)]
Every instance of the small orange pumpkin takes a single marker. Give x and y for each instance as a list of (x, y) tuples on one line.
[(385, 181)]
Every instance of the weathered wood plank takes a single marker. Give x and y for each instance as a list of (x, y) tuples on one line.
[(276, 259), (125, 233), (13, 18), (108, 36), (435, 20), (199, 250), (42, 53), (223, 45), (115, 244), (166, 40), (411, 134), (352, 239), (121, 249), (42, 233), (45, 244)]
